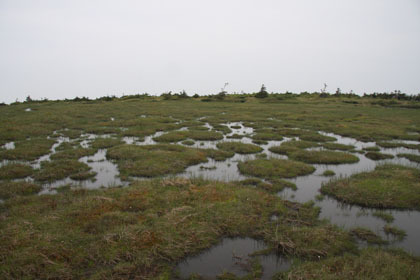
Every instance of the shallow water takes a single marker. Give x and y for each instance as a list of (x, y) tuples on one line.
[(232, 255)]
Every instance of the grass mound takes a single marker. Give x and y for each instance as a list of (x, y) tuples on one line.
[(15, 171), (173, 136), (338, 146), (59, 169), (367, 235), (267, 136), (201, 135), (238, 147), (371, 263), (154, 160), (291, 146), (144, 230), (218, 155), (9, 189), (105, 142), (28, 149), (316, 137), (323, 157), (274, 168), (378, 156), (411, 157), (388, 186), (73, 153)]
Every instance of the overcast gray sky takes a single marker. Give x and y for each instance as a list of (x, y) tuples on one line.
[(62, 49)]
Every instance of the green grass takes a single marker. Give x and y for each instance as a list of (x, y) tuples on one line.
[(73, 153), (398, 145), (397, 233), (371, 263), (154, 160), (328, 173), (105, 142), (10, 189), (260, 142), (59, 169), (218, 155), (323, 157), (28, 149), (337, 146), (267, 136), (188, 142), (378, 156), (372, 149), (176, 136), (272, 186), (387, 217), (274, 168), (289, 147), (235, 136), (222, 128), (238, 147), (173, 136), (15, 171), (316, 137), (367, 235), (144, 230), (388, 186), (411, 157), (83, 175), (200, 135)]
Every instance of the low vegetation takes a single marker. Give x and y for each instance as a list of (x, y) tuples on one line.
[(337, 146), (387, 217), (411, 157), (378, 156), (388, 186), (27, 149), (274, 168), (144, 230), (367, 235), (323, 157), (15, 171), (60, 169), (218, 155), (105, 142), (154, 160), (10, 189), (328, 173), (370, 263), (397, 233), (238, 147)]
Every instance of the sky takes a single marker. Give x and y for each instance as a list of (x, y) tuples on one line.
[(60, 49)]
